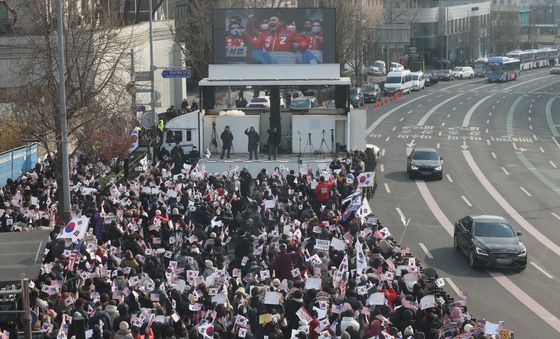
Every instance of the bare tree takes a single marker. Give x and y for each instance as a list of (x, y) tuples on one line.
[(96, 66)]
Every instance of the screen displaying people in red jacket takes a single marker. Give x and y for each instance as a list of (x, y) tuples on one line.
[(290, 36)]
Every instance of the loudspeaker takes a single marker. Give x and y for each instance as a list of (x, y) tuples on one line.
[(340, 96), (208, 97)]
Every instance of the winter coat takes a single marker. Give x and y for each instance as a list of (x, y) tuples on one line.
[(227, 139), (253, 138)]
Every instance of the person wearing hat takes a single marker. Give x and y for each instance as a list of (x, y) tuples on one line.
[(374, 330), (123, 332)]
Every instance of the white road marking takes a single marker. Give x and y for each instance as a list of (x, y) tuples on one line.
[(488, 142), (542, 149), (530, 105), (494, 155), (454, 108), (530, 127), (466, 201), (439, 134), (401, 214), (493, 107), (387, 139), (556, 142), (486, 131), (442, 124), (426, 250), (489, 114), (453, 286), (387, 187), (530, 111), (542, 270), (394, 128), (469, 98), (401, 119), (437, 145), (383, 152), (505, 170), (497, 101), (535, 137), (529, 118), (487, 121), (552, 164), (449, 178), (525, 191), (460, 103), (555, 215), (532, 100), (382, 168), (447, 116), (419, 105), (409, 112)]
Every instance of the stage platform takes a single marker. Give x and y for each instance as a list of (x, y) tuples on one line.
[(289, 161)]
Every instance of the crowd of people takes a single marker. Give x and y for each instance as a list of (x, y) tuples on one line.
[(224, 255)]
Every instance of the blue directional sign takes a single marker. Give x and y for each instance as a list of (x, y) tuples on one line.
[(176, 73)]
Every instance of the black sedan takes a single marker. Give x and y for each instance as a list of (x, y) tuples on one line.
[(445, 74), (424, 162), (489, 241)]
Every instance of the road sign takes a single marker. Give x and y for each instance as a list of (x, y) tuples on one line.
[(143, 76), (176, 73)]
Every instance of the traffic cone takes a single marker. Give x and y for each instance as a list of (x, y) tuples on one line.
[(376, 106)]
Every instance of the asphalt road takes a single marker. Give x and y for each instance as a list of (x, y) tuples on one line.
[(501, 149)]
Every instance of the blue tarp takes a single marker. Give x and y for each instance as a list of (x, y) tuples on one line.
[(14, 163)]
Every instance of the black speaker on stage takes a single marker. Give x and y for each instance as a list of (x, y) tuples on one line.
[(208, 97), (340, 96)]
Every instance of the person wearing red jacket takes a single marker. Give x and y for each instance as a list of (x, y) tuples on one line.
[(277, 38), (323, 190)]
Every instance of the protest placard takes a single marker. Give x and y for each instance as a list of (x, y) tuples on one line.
[(313, 283)]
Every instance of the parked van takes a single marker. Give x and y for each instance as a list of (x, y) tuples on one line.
[(418, 81), (182, 129), (398, 81)]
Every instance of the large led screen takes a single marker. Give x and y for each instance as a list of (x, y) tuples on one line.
[(274, 36)]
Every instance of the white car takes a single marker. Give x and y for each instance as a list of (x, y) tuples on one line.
[(395, 66), (262, 102), (463, 72), (418, 81)]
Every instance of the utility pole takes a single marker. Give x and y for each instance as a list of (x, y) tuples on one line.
[(65, 213), (25, 303), (359, 44), (155, 140)]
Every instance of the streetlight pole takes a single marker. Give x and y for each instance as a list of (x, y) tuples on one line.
[(152, 90), (65, 211)]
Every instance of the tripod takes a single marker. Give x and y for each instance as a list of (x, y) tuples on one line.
[(332, 141), (309, 143), (214, 139), (323, 142), (299, 135)]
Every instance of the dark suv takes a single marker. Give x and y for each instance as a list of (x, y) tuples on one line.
[(372, 92), (424, 162)]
